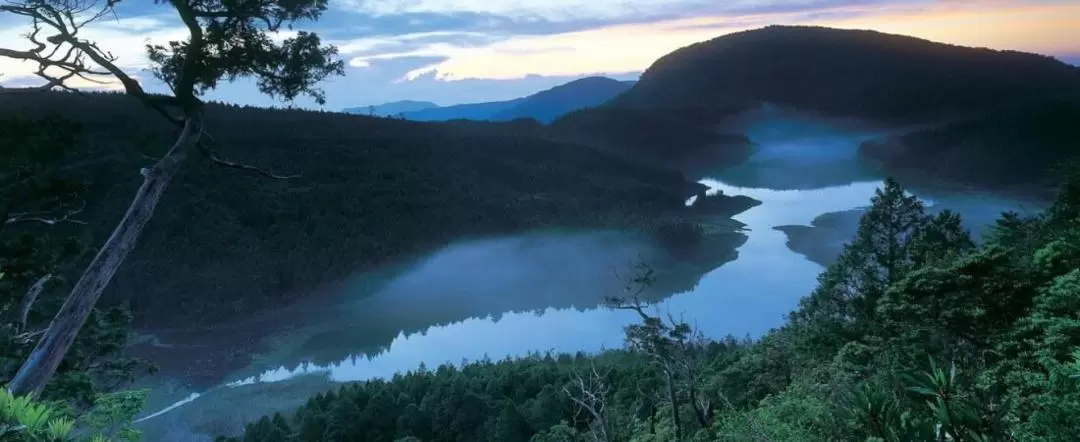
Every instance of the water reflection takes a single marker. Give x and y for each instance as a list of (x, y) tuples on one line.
[(508, 297), (733, 299), (736, 298)]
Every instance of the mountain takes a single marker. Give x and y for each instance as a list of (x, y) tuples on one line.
[(472, 111), (391, 109), (1012, 113), (544, 106), (548, 105), (865, 74), (670, 139), (371, 192), (1016, 147)]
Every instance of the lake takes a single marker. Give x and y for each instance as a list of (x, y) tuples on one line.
[(511, 296)]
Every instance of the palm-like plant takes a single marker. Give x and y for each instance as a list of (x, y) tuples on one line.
[(23, 420)]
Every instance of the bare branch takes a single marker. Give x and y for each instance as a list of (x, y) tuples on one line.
[(72, 62), (40, 217), (31, 296), (28, 337), (62, 19), (591, 396), (214, 157)]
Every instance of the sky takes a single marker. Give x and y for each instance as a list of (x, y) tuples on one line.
[(460, 51)]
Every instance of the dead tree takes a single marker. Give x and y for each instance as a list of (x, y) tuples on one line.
[(590, 392), (672, 346), (226, 39)]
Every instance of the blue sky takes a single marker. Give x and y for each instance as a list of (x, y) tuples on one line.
[(454, 51)]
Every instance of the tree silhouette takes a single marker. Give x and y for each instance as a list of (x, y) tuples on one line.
[(226, 40)]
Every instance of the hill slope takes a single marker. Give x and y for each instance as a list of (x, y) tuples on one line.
[(1015, 147), (544, 106), (548, 105), (373, 191), (970, 95), (471, 111), (391, 109), (858, 73)]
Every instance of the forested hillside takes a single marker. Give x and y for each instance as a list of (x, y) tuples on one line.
[(1012, 114), (546, 106), (370, 191), (865, 74), (681, 139), (1012, 147), (913, 334)]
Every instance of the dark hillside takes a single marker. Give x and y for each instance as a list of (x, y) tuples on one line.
[(676, 139), (1016, 146), (372, 190), (1012, 115), (470, 111), (858, 73), (546, 106)]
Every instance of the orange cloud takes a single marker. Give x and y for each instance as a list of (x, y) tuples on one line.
[(1042, 28)]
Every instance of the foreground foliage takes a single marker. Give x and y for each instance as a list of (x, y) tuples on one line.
[(23, 420), (913, 334)]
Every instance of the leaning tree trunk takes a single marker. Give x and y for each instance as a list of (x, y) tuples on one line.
[(40, 366), (674, 399)]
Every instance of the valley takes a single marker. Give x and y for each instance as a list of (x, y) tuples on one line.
[(753, 235), (453, 305)]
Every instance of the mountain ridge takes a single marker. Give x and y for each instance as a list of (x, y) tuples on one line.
[(847, 72), (881, 78), (544, 106), (391, 109)]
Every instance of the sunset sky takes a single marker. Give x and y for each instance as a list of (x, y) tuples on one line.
[(454, 51)]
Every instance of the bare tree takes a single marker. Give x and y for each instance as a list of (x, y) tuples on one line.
[(226, 39), (672, 346), (590, 392)]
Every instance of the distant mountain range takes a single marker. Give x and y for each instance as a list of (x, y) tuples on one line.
[(393, 108), (544, 106), (985, 117), (978, 116)]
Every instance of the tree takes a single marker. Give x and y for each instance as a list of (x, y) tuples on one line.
[(673, 347), (41, 238), (894, 236), (34, 191), (226, 40), (590, 393)]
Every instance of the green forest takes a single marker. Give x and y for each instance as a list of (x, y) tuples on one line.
[(915, 333)]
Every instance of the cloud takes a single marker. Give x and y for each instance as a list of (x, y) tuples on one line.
[(574, 10), (554, 10), (453, 51), (125, 38), (1040, 27), (384, 46)]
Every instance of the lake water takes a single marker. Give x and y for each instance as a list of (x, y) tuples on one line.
[(505, 297)]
